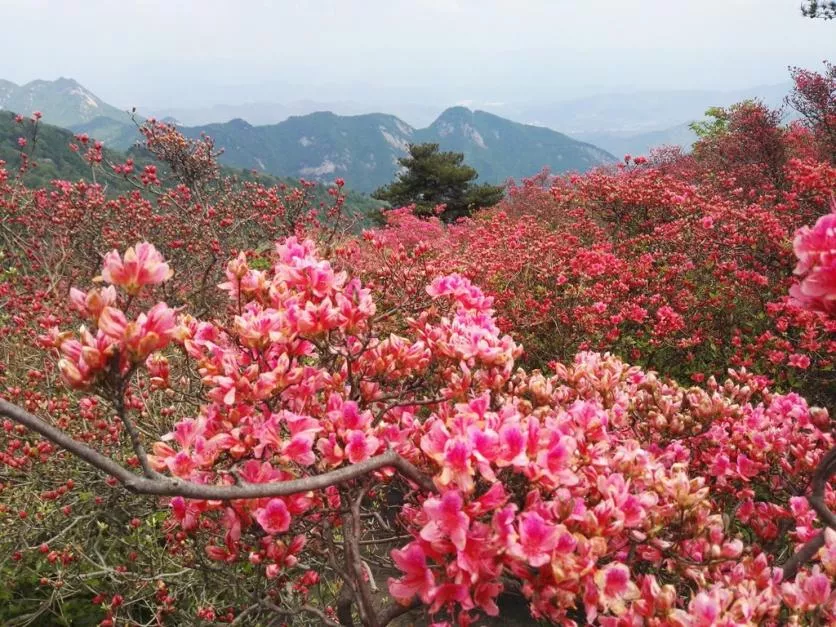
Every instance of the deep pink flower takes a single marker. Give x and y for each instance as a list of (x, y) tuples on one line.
[(417, 579), (448, 593), (360, 446), (447, 520), (537, 540), (816, 251), (274, 517)]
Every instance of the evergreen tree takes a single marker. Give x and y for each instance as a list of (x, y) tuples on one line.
[(813, 8), (431, 178)]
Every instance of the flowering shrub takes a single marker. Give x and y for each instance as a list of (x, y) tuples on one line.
[(666, 273), (432, 418), (602, 492), (814, 97), (50, 240)]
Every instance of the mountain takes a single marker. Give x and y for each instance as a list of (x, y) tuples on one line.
[(500, 149), (261, 113), (55, 160), (112, 132), (322, 146), (64, 102), (364, 149)]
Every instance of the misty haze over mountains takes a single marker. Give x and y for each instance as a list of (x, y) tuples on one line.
[(364, 149), (627, 112), (362, 140), (625, 122)]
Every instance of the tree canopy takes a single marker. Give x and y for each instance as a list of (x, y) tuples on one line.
[(432, 178), (824, 10)]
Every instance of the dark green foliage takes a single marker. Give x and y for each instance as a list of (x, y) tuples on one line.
[(823, 10), (433, 178)]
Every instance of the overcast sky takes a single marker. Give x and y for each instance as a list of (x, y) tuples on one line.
[(190, 52)]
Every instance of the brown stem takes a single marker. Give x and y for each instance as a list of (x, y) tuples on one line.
[(344, 602), (352, 526), (394, 611), (309, 609), (165, 486), (825, 470), (133, 434)]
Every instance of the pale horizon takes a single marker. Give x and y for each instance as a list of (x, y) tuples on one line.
[(431, 53)]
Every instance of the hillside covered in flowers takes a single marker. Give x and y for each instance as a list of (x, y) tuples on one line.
[(607, 399)]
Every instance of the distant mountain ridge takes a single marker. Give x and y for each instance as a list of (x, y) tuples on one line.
[(362, 149), (55, 160), (496, 146)]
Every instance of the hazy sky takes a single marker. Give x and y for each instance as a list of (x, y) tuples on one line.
[(189, 52)]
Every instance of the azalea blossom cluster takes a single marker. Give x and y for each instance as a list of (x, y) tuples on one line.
[(597, 506), (815, 248), (603, 491), (130, 342), (640, 262)]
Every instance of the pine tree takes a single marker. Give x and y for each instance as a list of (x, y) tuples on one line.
[(824, 10), (431, 178)]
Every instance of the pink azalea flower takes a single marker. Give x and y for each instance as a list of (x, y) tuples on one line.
[(90, 304), (274, 517), (417, 579), (816, 251), (446, 520), (142, 265), (112, 322), (828, 552), (616, 587), (71, 374), (448, 593), (537, 539), (360, 446), (704, 610)]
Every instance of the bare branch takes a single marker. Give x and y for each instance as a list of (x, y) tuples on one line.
[(165, 486), (394, 611), (305, 608), (133, 434), (352, 524), (826, 469)]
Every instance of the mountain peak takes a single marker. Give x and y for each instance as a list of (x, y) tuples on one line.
[(63, 81), (456, 113), (239, 124), (363, 149), (63, 102)]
